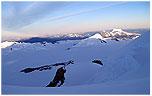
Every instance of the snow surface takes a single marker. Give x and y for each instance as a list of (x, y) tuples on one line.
[(6, 44), (126, 67)]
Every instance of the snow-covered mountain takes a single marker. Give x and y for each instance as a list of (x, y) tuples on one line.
[(55, 38), (120, 34), (108, 37), (125, 67), (97, 36), (95, 39)]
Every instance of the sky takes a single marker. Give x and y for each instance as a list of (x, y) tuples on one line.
[(25, 19)]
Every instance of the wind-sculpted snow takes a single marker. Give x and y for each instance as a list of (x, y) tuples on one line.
[(125, 66)]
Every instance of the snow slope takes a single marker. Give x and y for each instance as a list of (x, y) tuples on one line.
[(125, 71), (97, 36), (7, 44)]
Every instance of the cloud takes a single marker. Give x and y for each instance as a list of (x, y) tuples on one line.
[(71, 13), (19, 14), (86, 11)]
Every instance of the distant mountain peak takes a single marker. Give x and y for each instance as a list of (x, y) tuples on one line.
[(97, 36), (120, 34)]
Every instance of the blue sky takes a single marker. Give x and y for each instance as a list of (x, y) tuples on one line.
[(47, 18)]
